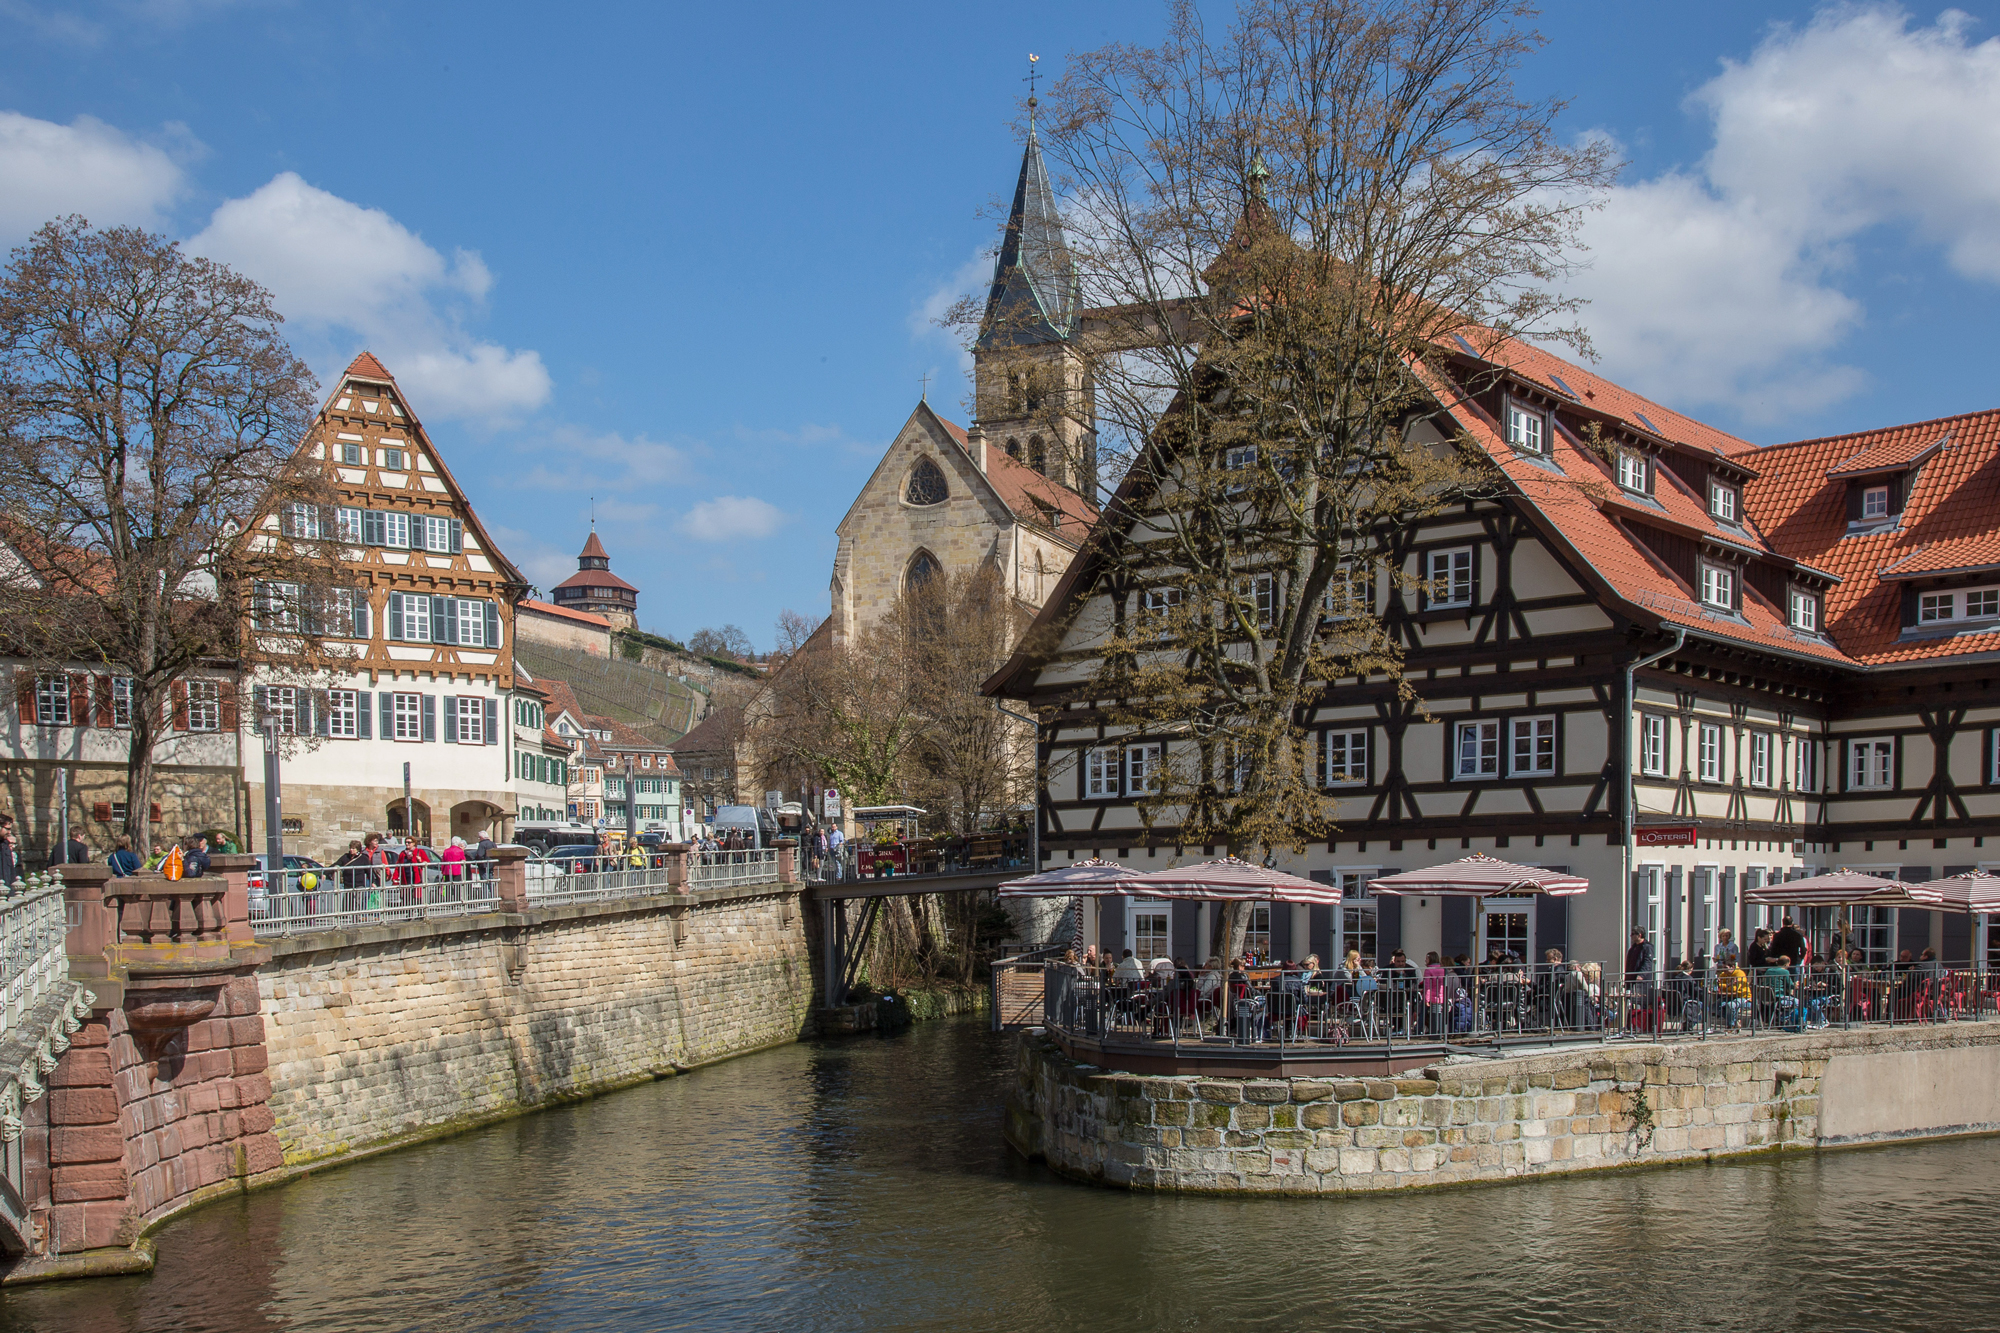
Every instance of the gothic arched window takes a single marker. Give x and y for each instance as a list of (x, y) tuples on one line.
[(1013, 448), (926, 484), (1038, 456), (922, 569)]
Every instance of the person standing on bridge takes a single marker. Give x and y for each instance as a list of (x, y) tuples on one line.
[(835, 842)]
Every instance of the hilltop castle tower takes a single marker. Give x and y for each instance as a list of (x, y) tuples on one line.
[(594, 588)]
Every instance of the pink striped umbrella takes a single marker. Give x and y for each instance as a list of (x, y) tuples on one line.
[(1479, 876), (1077, 879), (1231, 879), (1973, 891), (1838, 888)]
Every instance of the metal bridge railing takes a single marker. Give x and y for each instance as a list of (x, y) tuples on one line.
[(717, 870), (344, 899), (553, 889)]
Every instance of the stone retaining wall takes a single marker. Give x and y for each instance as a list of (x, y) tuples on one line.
[(381, 1035), (1474, 1119)]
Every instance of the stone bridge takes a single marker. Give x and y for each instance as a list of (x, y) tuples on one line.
[(162, 1049)]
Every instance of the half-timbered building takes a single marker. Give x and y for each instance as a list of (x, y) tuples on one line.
[(1659, 656), (424, 622)]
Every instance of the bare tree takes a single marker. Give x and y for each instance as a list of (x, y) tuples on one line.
[(842, 715), (729, 641), (148, 409), (1300, 240)]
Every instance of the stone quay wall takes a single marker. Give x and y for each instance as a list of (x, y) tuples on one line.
[(1470, 1120), (388, 1034)]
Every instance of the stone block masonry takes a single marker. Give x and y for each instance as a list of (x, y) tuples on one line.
[(381, 1035), (1474, 1120)]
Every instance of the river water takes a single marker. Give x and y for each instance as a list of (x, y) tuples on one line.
[(862, 1184)]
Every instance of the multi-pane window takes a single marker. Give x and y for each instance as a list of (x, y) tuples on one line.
[(1478, 750), (416, 617), (1708, 752), (1142, 769), (1351, 592), (1100, 772), (1805, 765), (121, 701), (349, 614), (1534, 745), (396, 530), (1804, 611), (1982, 602), (1875, 502), (1241, 458), (343, 713), (347, 525), (1760, 758), (303, 521), (204, 705), (1448, 575), (1261, 592), (436, 534), (1632, 470), (1156, 604), (471, 712), (1977, 604), (1936, 606), (1346, 757), (277, 607), (472, 623), (1722, 502), (1653, 744), (283, 704), (1718, 587), (1526, 430), (52, 706), (1871, 764), (406, 715)]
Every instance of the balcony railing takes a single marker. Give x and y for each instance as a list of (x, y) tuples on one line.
[(718, 870)]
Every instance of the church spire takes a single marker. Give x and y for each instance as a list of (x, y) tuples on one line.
[(1034, 293)]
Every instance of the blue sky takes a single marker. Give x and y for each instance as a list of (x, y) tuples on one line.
[(682, 258)]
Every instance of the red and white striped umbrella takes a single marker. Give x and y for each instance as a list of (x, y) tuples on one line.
[(1838, 888), (1973, 891), (1232, 879), (1079, 878), (1479, 876)]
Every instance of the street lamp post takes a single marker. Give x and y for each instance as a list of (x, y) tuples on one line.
[(274, 810), (631, 807)]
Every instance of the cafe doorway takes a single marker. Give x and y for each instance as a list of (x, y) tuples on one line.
[(1507, 924)]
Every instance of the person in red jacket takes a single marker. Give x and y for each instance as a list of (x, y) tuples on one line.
[(412, 861)]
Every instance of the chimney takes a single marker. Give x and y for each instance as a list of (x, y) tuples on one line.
[(975, 444)]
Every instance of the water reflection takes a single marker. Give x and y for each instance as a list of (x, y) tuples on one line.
[(862, 1185)]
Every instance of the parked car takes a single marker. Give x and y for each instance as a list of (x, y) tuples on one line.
[(581, 858), (293, 864), (759, 823)]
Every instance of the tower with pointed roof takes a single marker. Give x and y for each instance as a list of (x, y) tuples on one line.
[(1033, 393), (594, 588)]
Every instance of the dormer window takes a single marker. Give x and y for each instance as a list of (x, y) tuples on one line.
[(1973, 604), (1718, 587), (1633, 474), (1802, 611), (1526, 430), (1874, 503), (1722, 502)]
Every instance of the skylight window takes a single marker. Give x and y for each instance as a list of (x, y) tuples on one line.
[(1558, 380), (1646, 423)]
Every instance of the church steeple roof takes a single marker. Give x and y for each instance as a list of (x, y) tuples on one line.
[(1034, 296)]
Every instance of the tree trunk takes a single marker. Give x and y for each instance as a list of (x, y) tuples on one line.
[(1231, 925), (139, 773)]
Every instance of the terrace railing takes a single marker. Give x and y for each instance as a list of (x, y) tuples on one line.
[(716, 870)]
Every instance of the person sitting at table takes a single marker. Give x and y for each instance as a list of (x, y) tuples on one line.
[(1683, 987), (1732, 993), (1784, 1001), (1725, 947), (1129, 970), (1760, 949)]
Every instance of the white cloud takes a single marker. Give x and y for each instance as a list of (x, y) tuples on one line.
[(65, 22), (604, 463), (732, 518), (1723, 285), (975, 275), (87, 167), (342, 272)]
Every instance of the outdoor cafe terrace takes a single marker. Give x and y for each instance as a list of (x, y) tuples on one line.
[(1358, 1015)]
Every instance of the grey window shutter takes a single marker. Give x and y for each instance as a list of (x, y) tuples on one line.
[(260, 704), (1551, 925), (362, 629), (430, 717), (362, 716), (316, 700), (444, 620), (395, 622), (1455, 926), (492, 624), (374, 528), (492, 721), (1388, 926), (388, 716), (450, 720), (457, 536)]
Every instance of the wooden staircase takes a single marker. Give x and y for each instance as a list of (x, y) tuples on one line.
[(1017, 995)]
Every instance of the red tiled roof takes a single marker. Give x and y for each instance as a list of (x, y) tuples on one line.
[(1899, 450), (1950, 520), (1026, 492), (1595, 393), (1586, 511), (593, 547), (367, 367), (594, 578), (711, 733), (551, 609)]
